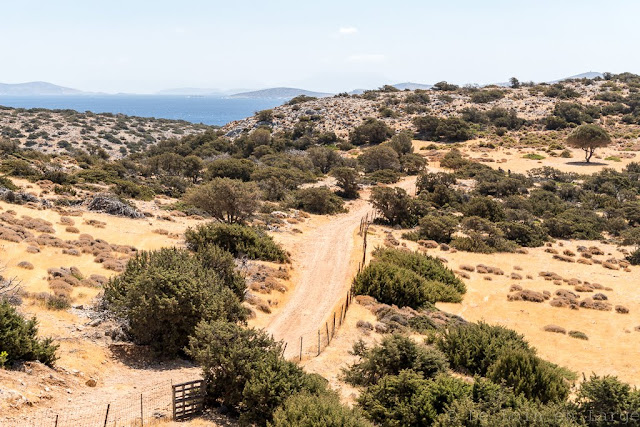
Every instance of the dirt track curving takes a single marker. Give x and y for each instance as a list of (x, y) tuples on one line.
[(324, 264)]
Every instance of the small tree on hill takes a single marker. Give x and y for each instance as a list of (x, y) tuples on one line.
[(372, 131), (228, 200), (588, 137), (347, 180)]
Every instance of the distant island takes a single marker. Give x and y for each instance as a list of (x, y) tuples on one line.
[(50, 89), (281, 92), (36, 89)]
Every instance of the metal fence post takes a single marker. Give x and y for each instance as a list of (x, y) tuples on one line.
[(300, 348), (318, 342), (141, 412)]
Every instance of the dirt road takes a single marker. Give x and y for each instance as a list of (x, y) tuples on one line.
[(324, 264)]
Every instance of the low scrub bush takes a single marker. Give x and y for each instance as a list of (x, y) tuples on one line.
[(395, 354), (19, 341), (246, 372), (391, 284), (320, 200), (530, 376), (474, 347), (308, 410), (164, 294), (238, 239), (408, 399), (425, 266)]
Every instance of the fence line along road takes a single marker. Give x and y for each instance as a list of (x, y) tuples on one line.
[(311, 345)]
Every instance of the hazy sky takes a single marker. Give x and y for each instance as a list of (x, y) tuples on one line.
[(327, 45)]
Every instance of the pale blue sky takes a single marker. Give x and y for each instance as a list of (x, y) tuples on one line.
[(145, 46)]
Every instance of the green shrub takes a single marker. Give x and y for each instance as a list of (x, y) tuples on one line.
[(317, 200), (229, 167), (437, 227), (378, 158), (530, 235), (372, 131), (19, 341), (474, 347), (484, 96), (425, 266), (529, 375), (408, 399), (130, 189), (395, 354), (307, 410), (578, 335), (605, 401), (533, 156), (454, 160), (384, 176), (228, 200), (7, 183), (391, 284), (246, 372), (164, 294), (634, 257), (395, 205), (575, 223), (238, 239)]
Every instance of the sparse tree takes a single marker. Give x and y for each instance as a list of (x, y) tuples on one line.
[(225, 199), (515, 83), (588, 137), (378, 158), (402, 143), (347, 180)]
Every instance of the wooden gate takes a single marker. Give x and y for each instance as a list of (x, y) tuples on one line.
[(188, 399)]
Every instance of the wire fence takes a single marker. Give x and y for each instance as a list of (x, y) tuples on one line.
[(311, 345), (143, 408)]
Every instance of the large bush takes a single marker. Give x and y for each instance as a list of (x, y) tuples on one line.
[(378, 158), (308, 410), (19, 341), (240, 240), (225, 199), (474, 347), (372, 131), (425, 266), (437, 227), (408, 399), (395, 354), (317, 200), (396, 206), (164, 294), (246, 372), (607, 395), (530, 376), (392, 283)]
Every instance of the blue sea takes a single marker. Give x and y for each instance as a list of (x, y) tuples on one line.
[(195, 109)]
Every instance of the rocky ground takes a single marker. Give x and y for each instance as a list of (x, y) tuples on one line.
[(57, 131)]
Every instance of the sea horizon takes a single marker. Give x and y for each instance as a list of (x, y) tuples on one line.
[(208, 110)]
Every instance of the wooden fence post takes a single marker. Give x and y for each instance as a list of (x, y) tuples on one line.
[(326, 325), (333, 330), (318, 342), (141, 412), (301, 349), (106, 416), (56, 421)]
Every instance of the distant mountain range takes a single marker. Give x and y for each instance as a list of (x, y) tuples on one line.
[(49, 89), (280, 92), (36, 88)]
